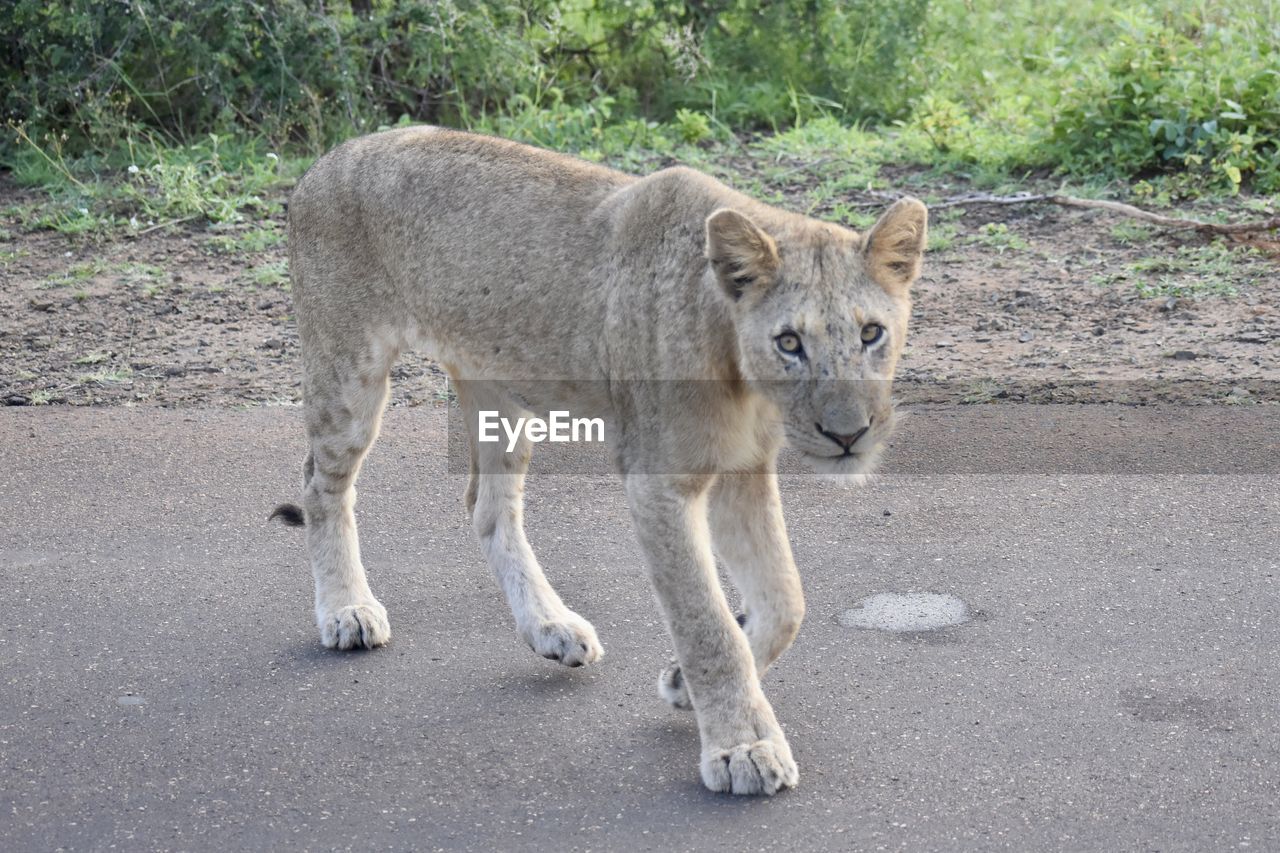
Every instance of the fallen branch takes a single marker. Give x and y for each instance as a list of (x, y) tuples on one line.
[(883, 197), (160, 225), (1172, 222)]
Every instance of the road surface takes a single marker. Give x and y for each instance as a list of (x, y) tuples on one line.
[(1117, 687)]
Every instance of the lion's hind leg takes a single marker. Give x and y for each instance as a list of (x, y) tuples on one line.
[(495, 497), (344, 391)]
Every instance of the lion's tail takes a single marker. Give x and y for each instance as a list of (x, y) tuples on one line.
[(290, 514)]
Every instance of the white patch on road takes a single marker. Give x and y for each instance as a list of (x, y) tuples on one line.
[(906, 611)]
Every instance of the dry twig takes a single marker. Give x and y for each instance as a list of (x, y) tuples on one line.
[(159, 225), (1175, 223)]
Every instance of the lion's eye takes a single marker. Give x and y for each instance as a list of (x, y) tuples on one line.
[(789, 342), (871, 333)]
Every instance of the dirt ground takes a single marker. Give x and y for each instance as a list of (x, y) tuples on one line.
[(1022, 302)]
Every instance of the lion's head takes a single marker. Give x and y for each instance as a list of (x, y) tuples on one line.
[(821, 318)]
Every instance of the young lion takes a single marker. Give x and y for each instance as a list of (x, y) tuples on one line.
[(705, 327)]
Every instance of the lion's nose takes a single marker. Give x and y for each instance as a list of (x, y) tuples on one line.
[(845, 440)]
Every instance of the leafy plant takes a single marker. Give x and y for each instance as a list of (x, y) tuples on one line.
[(1197, 91), (996, 235), (692, 126), (137, 113)]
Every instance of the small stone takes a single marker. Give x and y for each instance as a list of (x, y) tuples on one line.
[(943, 343), (273, 343), (1184, 355), (1169, 304), (888, 512), (1098, 331), (17, 400), (1238, 392), (1025, 336)]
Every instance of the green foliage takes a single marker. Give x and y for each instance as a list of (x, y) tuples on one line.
[(779, 63), (1196, 90), (273, 274), (589, 130), (252, 241), (300, 70), (693, 127), (106, 377), (193, 181), (1130, 233), (140, 112), (288, 69), (216, 179), (996, 235), (942, 236), (1212, 269), (1216, 268)]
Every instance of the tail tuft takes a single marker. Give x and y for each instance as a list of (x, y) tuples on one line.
[(290, 514)]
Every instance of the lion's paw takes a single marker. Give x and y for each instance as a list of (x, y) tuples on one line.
[(356, 626), (569, 640), (763, 767), (672, 687)]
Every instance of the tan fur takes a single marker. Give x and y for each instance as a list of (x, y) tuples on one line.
[(661, 304)]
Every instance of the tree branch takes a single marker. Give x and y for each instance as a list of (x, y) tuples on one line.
[(1175, 223)]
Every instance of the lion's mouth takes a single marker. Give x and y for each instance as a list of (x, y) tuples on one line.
[(851, 466), (851, 455)]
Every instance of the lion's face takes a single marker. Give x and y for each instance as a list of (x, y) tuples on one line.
[(821, 319)]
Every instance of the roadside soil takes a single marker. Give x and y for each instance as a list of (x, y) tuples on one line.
[(1018, 302)]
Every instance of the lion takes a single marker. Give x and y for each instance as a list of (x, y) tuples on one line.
[(708, 328)]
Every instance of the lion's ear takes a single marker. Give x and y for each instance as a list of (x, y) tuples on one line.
[(895, 245), (743, 256)]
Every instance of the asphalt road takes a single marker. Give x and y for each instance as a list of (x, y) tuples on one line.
[(162, 686)]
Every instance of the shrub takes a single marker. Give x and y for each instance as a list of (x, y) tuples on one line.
[(288, 69), (1169, 86), (313, 70), (1198, 91), (775, 63)]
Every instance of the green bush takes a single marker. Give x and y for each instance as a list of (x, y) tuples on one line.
[(1198, 91), (287, 69), (1093, 88), (313, 71), (779, 62)]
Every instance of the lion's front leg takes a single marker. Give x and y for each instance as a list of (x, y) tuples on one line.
[(750, 536), (743, 748)]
